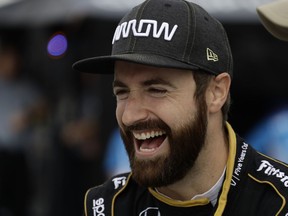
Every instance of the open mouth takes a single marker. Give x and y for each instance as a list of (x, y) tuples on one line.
[(149, 141)]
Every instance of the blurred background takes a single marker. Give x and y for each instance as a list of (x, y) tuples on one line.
[(58, 134)]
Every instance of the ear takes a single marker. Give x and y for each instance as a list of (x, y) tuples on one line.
[(218, 92)]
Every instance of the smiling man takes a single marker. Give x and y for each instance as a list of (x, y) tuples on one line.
[(172, 68), (165, 128)]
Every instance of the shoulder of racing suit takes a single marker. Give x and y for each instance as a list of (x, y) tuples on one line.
[(261, 187), (99, 200), (271, 171)]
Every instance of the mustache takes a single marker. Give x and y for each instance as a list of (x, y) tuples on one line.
[(145, 125)]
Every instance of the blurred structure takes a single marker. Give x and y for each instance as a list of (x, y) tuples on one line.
[(39, 13), (116, 160), (22, 108), (43, 12), (78, 143), (270, 135)]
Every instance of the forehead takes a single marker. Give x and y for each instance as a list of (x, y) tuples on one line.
[(132, 71)]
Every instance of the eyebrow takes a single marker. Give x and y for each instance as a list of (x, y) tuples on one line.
[(118, 83), (149, 82)]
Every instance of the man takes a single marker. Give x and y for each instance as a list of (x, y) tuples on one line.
[(172, 68)]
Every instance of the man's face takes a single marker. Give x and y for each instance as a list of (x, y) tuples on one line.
[(161, 124)]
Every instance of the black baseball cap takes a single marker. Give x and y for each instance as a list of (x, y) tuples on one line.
[(166, 33)]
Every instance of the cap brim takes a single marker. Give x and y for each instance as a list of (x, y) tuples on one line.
[(274, 17), (105, 64)]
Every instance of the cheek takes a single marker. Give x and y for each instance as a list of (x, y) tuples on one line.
[(181, 113), (118, 114), (182, 107)]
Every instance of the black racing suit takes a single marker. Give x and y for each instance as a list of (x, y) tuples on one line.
[(254, 185)]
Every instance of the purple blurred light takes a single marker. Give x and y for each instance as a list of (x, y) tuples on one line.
[(57, 45)]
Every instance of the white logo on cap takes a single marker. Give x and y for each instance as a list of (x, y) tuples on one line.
[(211, 56), (125, 28)]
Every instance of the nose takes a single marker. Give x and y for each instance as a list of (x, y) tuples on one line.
[(134, 110)]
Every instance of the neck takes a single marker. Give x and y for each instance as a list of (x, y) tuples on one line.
[(206, 171)]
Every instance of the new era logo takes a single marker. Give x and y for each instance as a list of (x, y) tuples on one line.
[(211, 56)]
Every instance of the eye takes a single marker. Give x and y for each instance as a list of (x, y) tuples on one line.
[(121, 93), (157, 92)]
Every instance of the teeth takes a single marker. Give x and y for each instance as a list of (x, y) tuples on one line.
[(147, 135), (147, 149)]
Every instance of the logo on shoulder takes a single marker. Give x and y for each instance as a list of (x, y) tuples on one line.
[(270, 170), (98, 207), (119, 182), (150, 211), (239, 163)]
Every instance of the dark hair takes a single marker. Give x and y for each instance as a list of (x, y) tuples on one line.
[(202, 80)]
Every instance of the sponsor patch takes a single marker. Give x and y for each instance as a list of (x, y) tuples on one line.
[(270, 170), (98, 207), (119, 181)]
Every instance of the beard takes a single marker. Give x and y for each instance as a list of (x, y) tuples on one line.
[(185, 144)]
